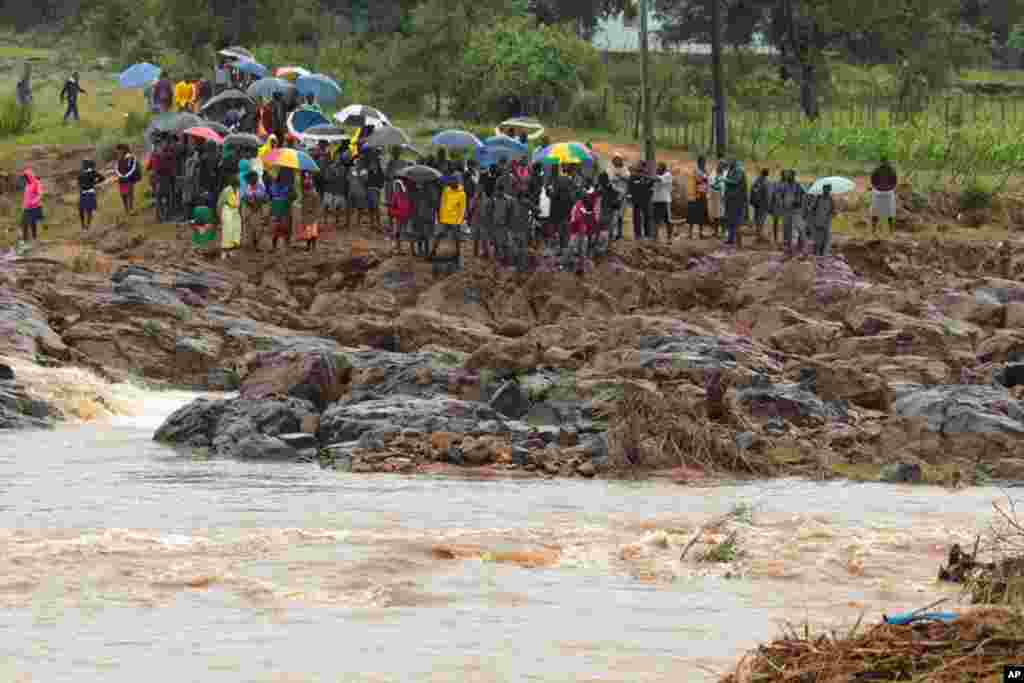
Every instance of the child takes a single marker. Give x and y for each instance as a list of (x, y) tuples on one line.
[(204, 227), (453, 213), (32, 204), (88, 179), (309, 225), (128, 173), (400, 211), (822, 211), (281, 208), (583, 223)]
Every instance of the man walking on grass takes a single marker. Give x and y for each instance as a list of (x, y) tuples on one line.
[(72, 89)]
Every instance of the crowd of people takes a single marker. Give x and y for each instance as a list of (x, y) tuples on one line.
[(511, 209)]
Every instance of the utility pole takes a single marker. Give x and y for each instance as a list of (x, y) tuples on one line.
[(721, 143), (645, 71)]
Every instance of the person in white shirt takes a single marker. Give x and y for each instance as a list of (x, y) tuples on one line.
[(662, 201), (619, 176)]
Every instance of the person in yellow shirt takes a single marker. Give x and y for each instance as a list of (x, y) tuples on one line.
[(452, 214), (184, 93)]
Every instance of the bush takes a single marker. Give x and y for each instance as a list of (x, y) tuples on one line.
[(976, 196), (14, 118), (106, 148)]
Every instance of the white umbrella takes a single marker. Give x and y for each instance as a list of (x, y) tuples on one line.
[(360, 114), (840, 185)]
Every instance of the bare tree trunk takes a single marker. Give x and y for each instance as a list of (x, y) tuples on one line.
[(809, 92)]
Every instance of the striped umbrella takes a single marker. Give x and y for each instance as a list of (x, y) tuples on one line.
[(291, 158), (564, 153)]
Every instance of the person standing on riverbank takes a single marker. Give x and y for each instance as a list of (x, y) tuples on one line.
[(697, 208), (737, 196), (72, 89), (787, 199), (822, 211), (661, 203), (883, 196), (32, 206), (128, 173), (229, 211), (88, 179), (760, 199)]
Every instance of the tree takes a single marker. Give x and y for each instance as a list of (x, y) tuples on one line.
[(583, 15), (519, 60)]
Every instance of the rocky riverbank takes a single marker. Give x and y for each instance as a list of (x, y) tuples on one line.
[(895, 360)]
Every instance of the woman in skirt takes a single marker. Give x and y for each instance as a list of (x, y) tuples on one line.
[(697, 208)]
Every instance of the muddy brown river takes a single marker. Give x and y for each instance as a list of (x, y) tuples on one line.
[(123, 560)]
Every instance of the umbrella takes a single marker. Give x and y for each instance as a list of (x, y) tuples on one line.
[(139, 76), (237, 52), (361, 115), (456, 139), (204, 133), (564, 153), (325, 132), (522, 122), (243, 140), (250, 67), (504, 142), (266, 87), (218, 128), (388, 136), (420, 173), (229, 99), (301, 119), (169, 123), (840, 185), (292, 72), (323, 88), (291, 158)]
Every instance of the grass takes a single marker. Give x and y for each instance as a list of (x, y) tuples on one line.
[(151, 328), (724, 552)]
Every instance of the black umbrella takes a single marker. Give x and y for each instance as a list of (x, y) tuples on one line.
[(229, 99), (243, 140), (419, 174), (325, 132), (388, 136), (169, 124)]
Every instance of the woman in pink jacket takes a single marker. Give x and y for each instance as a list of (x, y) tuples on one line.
[(32, 204)]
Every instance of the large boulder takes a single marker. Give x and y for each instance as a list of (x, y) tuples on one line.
[(222, 425), (17, 409), (317, 376), (964, 408), (348, 421), (418, 328), (787, 401)]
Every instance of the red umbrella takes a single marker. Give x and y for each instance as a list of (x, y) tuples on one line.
[(204, 133)]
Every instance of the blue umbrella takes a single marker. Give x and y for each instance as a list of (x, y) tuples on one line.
[(248, 67), (266, 87), (323, 88), (301, 119), (139, 76), (456, 139), (504, 142)]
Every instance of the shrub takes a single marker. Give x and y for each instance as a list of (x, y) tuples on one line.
[(135, 124), (975, 196), (14, 118)]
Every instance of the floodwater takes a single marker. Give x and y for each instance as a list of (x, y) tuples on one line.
[(123, 560)]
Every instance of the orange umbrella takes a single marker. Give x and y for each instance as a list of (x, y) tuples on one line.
[(204, 133)]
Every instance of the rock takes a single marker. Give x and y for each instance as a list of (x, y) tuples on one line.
[(902, 473), (511, 401), (221, 425), (265, 448), (316, 376), (6, 372), (418, 328), (347, 421), (300, 441), (456, 456), (807, 339), (788, 402), (517, 355), (745, 441), (19, 411), (143, 291), (1014, 315), (310, 424), (586, 468), (596, 446), (967, 408), (514, 329), (568, 438), (442, 441)]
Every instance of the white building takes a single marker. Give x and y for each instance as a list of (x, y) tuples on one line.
[(618, 34)]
